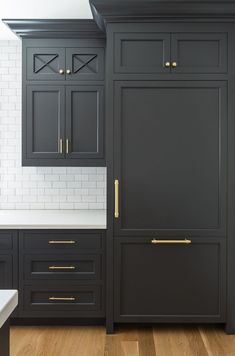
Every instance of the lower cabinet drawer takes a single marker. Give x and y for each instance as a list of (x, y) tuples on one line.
[(67, 301), (79, 267), (170, 282)]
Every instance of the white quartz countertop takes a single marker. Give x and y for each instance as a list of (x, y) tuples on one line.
[(52, 219), (8, 302)]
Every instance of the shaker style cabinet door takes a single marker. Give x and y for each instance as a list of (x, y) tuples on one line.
[(142, 53), (45, 63), (199, 52), (44, 127), (84, 122), (6, 272), (170, 158), (170, 282), (85, 63)]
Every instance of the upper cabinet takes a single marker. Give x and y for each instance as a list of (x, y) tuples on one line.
[(63, 92), (170, 52), (51, 63)]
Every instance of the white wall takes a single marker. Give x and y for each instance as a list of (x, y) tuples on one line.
[(45, 9), (36, 187)]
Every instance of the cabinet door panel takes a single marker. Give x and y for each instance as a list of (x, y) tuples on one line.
[(169, 282), (6, 272), (141, 52), (199, 53), (45, 63), (84, 125), (85, 63), (45, 121), (170, 157)]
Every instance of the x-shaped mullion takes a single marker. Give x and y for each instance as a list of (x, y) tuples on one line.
[(85, 64), (45, 63)]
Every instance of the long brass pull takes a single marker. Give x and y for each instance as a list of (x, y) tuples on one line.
[(116, 185), (61, 267), (60, 146), (70, 299), (67, 146), (58, 242), (185, 241)]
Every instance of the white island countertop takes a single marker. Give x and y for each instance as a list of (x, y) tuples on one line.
[(8, 302), (52, 219)]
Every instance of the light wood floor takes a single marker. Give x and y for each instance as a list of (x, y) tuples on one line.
[(127, 341)]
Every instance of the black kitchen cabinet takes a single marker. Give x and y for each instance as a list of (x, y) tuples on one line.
[(65, 63), (176, 131), (63, 95), (62, 274), (170, 282), (64, 123), (8, 259)]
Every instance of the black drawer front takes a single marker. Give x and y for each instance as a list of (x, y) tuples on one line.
[(6, 241), (63, 241), (79, 267), (67, 298), (170, 281)]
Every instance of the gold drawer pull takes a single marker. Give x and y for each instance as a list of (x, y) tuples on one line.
[(60, 146), (185, 241), (116, 212), (61, 267), (68, 299), (58, 242), (67, 146)]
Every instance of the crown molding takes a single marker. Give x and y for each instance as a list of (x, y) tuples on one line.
[(54, 28), (105, 11)]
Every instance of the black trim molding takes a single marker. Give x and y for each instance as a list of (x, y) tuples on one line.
[(105, 11), (41, 28)]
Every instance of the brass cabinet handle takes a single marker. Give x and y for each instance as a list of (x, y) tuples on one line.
[(61, 267), (68, 71), (116, 185), (60, 146), (67, 146), (61, 71), (54, 242), (174, 64), (185, 241), (70, 299), (167, 64)]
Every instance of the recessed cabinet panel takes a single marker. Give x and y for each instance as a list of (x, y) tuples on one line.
[(45, 125), (199, 53), (142, 53), (6, 272), (84, 63), (84, 124), (45, 63), (170, 157), (156, 282)]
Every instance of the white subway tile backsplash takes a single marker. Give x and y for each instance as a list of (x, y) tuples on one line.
[(37, 187)]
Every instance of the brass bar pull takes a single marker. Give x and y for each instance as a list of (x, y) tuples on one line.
[(67, 146), (185, 241), (116, 185), (58, 242), (68, 299), (60, 146), (61, 267)]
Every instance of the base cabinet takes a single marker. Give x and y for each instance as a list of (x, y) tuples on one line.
[(170, 282)]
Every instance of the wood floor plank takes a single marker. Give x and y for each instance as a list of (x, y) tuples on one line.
[(131, 340), (217, 342), (178, 341)]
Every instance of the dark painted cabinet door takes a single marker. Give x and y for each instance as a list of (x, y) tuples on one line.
[(45, 121), (45, 63), (84, 121), (6, 271), (142, 53), (199, 52), (170, 158), (85, 63), (169, 282)]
